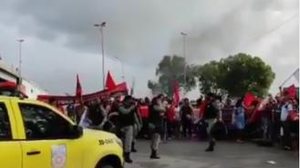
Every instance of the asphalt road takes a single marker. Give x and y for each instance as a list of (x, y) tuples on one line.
[(190, 154)]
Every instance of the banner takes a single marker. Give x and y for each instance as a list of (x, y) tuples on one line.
[(122, 87), (64, 100)]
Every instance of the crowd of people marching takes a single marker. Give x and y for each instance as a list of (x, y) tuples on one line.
[(274, 120)]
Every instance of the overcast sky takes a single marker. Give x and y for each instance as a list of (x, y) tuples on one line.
[(60, 39)]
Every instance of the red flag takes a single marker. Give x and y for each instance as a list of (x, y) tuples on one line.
[(176, 97), (291, 91), (78, 88), (122, 87), (248, 99), (110, 83)]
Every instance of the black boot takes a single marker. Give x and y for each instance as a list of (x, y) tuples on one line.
[(133, 147), (154, 154), (127, 158), (210, 147)]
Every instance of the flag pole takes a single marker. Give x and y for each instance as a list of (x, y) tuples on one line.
[(289, 77), (132, 87)]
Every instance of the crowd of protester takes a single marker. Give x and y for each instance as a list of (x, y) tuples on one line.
[(273, 120)]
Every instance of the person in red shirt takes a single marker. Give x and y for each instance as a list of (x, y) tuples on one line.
[(253, 114), (143, 110), (202, 108), (171, 119)]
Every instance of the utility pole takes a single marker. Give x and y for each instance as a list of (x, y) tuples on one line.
[(20, 61), (101, 27)]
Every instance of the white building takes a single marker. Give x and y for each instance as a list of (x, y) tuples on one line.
[(32, 90), (9, 74)]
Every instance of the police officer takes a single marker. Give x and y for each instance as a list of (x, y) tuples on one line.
[(136, 128), (126, 123), (156, 118), (186, 118), (211, 115)]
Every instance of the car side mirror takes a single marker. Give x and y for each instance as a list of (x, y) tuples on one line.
[(75, 132)]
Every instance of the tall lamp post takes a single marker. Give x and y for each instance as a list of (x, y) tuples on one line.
[(101, 27), (184, 54), (20, 61)]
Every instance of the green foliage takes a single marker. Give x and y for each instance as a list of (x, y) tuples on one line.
[(208, 75), (170, 69), (236, 75), (154, 87)]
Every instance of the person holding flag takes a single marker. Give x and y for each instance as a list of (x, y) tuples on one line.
[(83, 110)]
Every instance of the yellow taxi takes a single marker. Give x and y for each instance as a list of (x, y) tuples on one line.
[(36, 135)]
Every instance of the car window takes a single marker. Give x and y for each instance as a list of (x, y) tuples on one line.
[(43, 123), (5, 129)]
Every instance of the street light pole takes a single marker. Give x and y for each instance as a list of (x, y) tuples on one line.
[(184, 54), (101, 27), (20, 61)]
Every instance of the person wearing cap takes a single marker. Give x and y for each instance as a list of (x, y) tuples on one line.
[(126, 124)]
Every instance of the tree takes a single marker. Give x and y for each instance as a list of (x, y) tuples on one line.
[(171, 69), (236, 75), (242, 73), (154, 87), (208, 75)]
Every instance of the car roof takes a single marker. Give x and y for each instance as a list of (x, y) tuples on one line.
[(8, 97), (15, 98)]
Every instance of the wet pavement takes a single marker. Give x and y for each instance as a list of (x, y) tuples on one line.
[(190, 154)]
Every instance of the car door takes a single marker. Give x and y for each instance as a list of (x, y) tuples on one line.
[(10, 147), (46, 141)]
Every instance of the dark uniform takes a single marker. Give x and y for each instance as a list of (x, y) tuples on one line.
[(126, 121), (156, 120), (210, 116), (186, 119)]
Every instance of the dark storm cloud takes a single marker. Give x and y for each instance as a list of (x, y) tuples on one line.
[(137, 31), (134, 29)]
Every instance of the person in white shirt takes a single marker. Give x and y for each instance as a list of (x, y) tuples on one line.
[(286, 108), (84, 121)]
